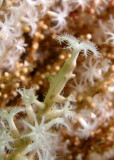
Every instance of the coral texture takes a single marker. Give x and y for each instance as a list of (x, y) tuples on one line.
[(56, 100)]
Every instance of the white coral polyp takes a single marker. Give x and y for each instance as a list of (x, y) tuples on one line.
[(74, 44), (91, 72), (59, 17), (41, 136), (87, 126)]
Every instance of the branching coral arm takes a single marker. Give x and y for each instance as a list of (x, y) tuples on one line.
[(58, 82)]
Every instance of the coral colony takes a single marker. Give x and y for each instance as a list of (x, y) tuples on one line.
[(56, 79)]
